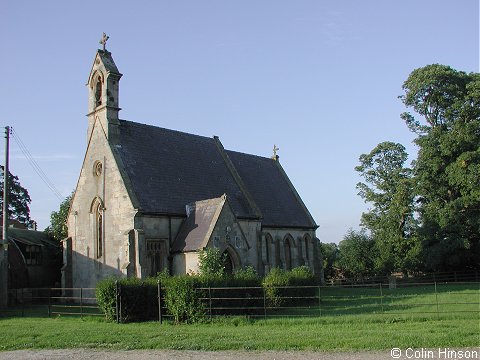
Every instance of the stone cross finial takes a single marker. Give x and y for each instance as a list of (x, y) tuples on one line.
[(275, 149), (103, 41)]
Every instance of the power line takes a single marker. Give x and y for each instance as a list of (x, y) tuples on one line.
[(35, 166)]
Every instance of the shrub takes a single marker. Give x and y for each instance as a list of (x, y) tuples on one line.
[(211, 262), (183, 299), (277, 281), (138, 299), (106, 297)]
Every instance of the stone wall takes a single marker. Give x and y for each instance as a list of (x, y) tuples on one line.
[(99, 184)]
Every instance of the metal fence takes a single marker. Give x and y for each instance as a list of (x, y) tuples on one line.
[(425, 299), (52, 302), (424, 278)]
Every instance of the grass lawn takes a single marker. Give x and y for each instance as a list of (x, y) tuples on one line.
[(352, 319), (348, 332)]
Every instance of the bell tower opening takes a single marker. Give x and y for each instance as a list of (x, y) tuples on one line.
[(98, 91), (103, 94)]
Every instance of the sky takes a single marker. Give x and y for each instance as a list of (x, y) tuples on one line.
[(319, 79)]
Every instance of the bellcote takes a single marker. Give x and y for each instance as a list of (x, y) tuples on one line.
[(103, 83), (103, 92)]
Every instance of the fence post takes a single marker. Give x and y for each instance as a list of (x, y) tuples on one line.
[(320, 300), (160, 317), (49, 302), (436, 299), (23, 302), (381, 297), (81, 303), (264, 304), (117, 305), (210, 302)]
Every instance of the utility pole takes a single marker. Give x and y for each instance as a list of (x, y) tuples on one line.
[(4, 242)]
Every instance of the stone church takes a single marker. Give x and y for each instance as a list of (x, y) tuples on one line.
[(149, 198)]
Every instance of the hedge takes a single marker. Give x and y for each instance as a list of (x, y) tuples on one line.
[(191, 298)]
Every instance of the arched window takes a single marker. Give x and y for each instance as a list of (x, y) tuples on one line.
[(97, 211), (306, 241), (98, 92), (268, 241), (99, 229), (227, 263), (288, 252)]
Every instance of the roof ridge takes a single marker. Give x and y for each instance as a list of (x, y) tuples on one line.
[(134, 123), (244, 153)]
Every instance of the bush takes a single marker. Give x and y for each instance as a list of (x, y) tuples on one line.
[(278, 281), (275, 279), (182, 298), (188, 298), (106, 295), (138, 299), (211, 262)]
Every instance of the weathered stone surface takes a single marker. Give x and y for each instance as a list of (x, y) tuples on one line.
[(111, 235)]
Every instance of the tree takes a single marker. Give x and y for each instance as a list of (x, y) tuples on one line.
[(357, 254), (18, 200), (58, 220), (388, 187), (447, 170), (329, 254)]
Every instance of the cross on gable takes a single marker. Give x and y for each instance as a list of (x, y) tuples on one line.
[(103, 41), (275, 149)]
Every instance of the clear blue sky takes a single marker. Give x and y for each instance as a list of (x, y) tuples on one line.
[(318, 78)]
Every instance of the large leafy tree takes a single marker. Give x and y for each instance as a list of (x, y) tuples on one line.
[(58, 220), (447, 170), (18, 199), (356, 254), (388, 188)]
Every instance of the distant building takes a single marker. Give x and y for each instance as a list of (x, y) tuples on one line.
[(34, 259), (150, 198)]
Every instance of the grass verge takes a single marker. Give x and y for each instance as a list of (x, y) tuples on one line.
[(337, 333)]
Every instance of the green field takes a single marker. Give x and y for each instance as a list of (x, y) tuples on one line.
[(352, 319)]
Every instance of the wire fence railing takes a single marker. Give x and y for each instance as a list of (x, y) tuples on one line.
[(52, 302), (411, 299), (438, 277)]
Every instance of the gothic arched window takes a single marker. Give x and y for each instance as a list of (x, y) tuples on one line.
[(98, 92), (97, 213), (306, 241), (268, 241), (99, 229), (288, 253)]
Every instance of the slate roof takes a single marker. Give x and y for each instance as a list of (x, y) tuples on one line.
[(30, 237), (271, 191), (197, 228), (169, 169)]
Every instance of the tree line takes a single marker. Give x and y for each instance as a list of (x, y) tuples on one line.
[(424, 216)]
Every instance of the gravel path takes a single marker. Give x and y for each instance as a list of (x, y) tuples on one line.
[(83, 354), (87, 354)]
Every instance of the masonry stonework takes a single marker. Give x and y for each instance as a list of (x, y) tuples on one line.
[(149, 199)]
